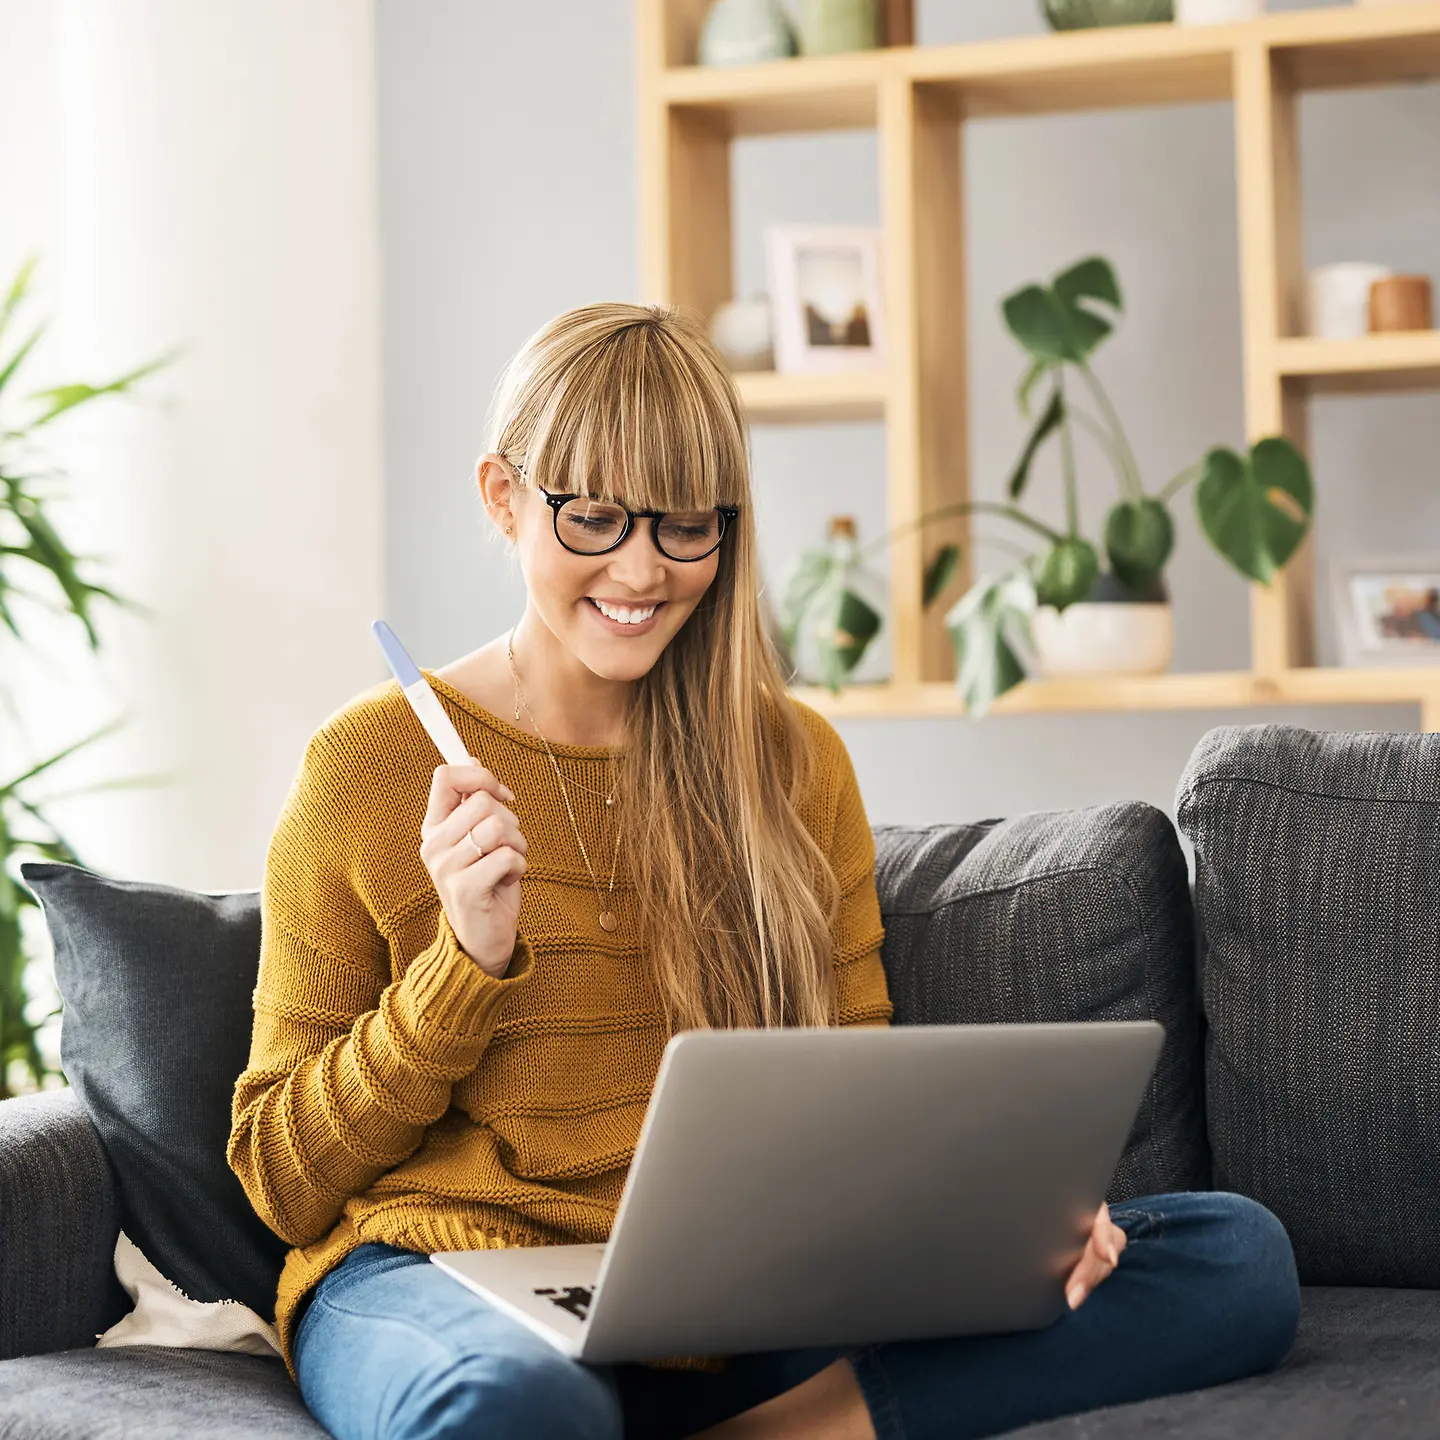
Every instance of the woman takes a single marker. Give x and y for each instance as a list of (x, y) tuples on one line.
[(468, 973)]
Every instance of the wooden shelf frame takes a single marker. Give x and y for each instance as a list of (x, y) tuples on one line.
[(1219, 690), (776, 399), (918, 99)]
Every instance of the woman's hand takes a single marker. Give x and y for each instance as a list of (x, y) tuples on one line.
[(1102, 1255), (480, 894)]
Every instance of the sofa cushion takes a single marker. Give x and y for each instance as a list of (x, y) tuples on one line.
[(156, 983), (1073, 915), (1317, 882), (146, 1393), (1364, 1363)]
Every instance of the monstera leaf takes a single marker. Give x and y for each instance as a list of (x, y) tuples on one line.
[(984, 625), (840, 622), (843, 624), (1049, 421), (1256, 508), (1139, 536), (1066, 573), (1054, 322), (938, 572)]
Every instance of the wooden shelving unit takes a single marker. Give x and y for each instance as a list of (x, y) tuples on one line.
[(806, 399), (917, 99)]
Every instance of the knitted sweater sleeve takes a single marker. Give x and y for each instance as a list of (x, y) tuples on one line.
[(347, 1067), (859, 976)]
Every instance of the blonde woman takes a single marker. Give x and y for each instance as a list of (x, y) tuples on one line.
[(468, 972)]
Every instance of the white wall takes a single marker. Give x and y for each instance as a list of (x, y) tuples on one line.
[(508, 194), (205, 175)]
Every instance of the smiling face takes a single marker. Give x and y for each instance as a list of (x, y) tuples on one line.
[(647, 595)]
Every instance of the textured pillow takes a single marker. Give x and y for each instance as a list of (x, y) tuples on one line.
[(156, 984), (1317, 882), (1073, 915)]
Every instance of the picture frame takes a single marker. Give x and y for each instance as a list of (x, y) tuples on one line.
[(826, 294), (1387, 610)]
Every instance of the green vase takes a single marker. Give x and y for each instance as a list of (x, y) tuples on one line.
[(745, 32), (1087, 14), (830, 27)]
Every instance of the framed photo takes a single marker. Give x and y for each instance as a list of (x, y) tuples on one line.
[(1387, 611), (825, 295)]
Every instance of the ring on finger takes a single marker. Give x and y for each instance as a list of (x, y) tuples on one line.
[(475, 844)]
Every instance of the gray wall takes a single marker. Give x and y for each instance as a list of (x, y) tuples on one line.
[(508, 195)]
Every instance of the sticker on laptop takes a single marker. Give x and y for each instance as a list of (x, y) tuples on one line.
[(574, 1299)]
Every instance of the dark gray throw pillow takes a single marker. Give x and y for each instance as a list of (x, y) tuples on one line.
[(1317, 882), (157, 984), (1072, 915)]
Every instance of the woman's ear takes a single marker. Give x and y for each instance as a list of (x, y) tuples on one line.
[(495, 478)]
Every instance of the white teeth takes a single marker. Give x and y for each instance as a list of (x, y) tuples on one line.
[(623, 615)]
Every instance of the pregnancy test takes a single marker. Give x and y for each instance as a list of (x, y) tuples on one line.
[(423, 700)]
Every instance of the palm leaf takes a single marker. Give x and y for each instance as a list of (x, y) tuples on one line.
[(66, 397), (19, 288), (18, 358), (9, 788)]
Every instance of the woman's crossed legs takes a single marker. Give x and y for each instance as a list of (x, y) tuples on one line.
[(391, 1348)]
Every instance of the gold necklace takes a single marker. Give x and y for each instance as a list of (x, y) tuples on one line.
[(608, 921)]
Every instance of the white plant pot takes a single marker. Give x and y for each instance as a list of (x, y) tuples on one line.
[(1338, 298), (1217, 12), (1104, 638)]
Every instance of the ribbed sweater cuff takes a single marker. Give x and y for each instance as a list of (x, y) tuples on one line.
[(450, 1000)]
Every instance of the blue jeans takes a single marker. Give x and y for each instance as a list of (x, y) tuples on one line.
[(390, 1346)]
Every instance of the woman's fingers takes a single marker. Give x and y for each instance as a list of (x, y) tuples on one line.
[(446, 850), (1102, 1255), (471, 813), (457, 802), (452, 785)]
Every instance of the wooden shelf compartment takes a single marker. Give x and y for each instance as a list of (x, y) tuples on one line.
[(1102, 69), (1219, 690), (1371, 364), (775, 399), (819, 92), (1352, 47)]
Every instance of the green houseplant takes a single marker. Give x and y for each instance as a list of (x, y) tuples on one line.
[(1254, 508), (32, 550), (1088, 14)]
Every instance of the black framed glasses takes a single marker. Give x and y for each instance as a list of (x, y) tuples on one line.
[(586, 526)]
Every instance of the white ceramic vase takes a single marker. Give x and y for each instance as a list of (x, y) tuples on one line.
[(1217, 12), (741, 330), (1338, 298), (1099, 637)]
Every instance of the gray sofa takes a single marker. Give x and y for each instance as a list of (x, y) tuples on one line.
[(1297, 976)]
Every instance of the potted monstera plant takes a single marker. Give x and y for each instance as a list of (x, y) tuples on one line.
[(1073, 605), (1069, 604)]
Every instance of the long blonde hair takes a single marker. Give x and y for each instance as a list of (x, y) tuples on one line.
[(738, 899)]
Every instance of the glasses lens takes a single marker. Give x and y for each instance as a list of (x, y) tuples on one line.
[(589, 526), (687, 535)]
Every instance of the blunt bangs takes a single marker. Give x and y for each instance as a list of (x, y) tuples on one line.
[(639, 418)]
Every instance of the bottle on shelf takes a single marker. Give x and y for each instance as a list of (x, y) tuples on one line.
[(846, 614)]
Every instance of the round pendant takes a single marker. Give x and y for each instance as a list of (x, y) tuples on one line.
[(607, 920)]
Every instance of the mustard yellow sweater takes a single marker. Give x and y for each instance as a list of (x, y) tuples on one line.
[(397, 1092)]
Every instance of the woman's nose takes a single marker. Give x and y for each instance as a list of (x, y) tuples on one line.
[(637, 561)]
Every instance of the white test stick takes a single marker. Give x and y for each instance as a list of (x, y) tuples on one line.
[(423, 700)]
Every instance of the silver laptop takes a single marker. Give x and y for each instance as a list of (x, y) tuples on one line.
[(800, 1187)]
